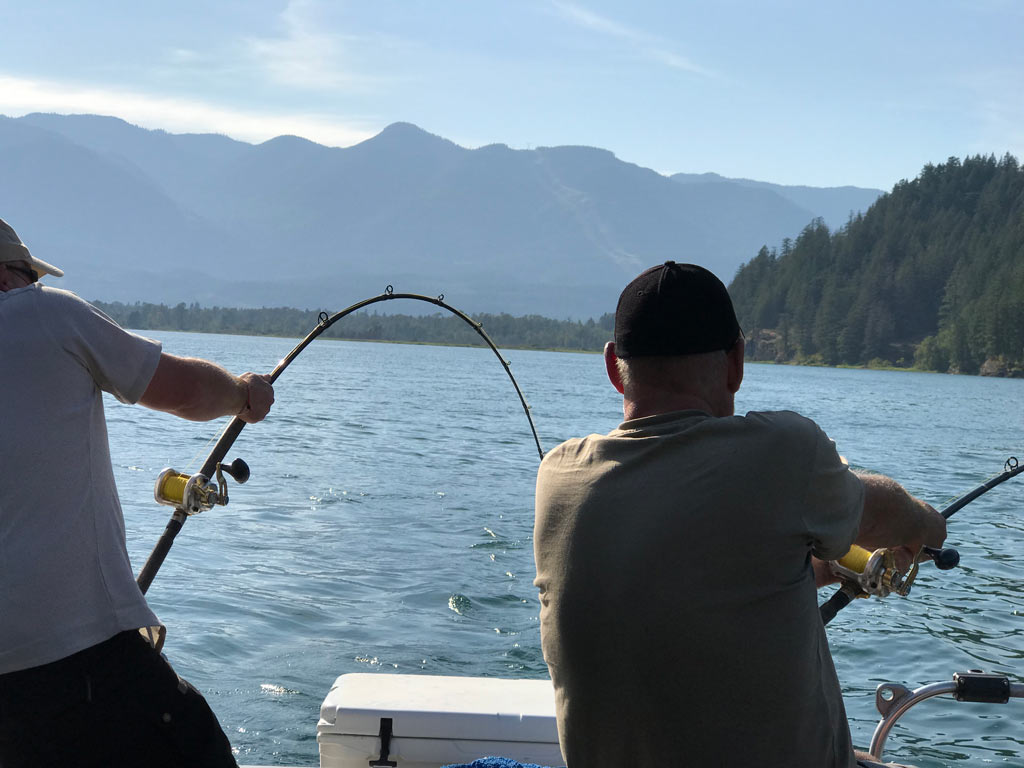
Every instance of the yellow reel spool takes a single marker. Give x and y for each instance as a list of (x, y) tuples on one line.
[(170, 488), (856, 559)]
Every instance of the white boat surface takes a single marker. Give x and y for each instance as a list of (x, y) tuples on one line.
[(428, 721)]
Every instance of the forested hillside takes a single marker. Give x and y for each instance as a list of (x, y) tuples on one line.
[(931, 275), (506, 331)]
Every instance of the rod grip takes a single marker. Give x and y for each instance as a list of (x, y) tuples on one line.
[(220, 450), (842, 598), (163, 546)]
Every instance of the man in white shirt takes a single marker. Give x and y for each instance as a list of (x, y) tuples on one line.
[(79, 683)]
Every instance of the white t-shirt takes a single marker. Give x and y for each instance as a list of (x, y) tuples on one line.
[(65, 579)]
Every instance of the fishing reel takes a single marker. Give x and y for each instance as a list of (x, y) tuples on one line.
[(874, 573), (877, 573), (196, 493)]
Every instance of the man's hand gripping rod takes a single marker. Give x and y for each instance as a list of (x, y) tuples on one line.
[(863, 573)]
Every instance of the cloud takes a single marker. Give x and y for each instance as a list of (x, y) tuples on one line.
[(646, 45), (19, 96), (305, 56)]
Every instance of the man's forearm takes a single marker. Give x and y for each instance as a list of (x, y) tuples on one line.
[(894, 518), (199, 390), (214, 392)]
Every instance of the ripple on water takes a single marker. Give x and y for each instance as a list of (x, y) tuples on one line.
[(460, 604)]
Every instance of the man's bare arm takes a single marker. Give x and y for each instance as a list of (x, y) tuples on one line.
[(199, 390), (894, 518)]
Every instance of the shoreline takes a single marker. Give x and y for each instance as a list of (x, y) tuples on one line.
[(1013, 374), (521, 348)]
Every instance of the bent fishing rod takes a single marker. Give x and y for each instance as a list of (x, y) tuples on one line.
[(862, 573), (192, 494)]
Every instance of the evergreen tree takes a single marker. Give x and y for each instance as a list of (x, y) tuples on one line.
[(938, 263)]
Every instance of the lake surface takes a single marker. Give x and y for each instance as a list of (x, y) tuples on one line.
[(387, 527)]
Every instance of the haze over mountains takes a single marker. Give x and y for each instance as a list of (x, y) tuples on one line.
[(139, 215)]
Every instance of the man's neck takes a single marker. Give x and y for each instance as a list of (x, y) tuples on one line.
[(656, 404)]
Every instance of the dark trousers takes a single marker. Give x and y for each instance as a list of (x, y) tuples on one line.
[(118, 704)]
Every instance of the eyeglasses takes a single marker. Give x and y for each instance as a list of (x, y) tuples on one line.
[(27, 273)]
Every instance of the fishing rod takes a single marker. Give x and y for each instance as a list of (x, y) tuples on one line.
[(192, 494), (863, 573)]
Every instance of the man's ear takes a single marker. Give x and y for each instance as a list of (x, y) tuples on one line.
[(611, 366), (734, 356)]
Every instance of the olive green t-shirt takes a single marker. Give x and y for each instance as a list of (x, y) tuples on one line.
[(679, 617)]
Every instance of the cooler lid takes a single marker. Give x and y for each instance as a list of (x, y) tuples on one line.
[(441, 707)]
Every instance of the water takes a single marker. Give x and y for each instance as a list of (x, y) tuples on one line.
[(387, 528)]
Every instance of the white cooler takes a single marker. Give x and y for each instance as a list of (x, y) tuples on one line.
[(426, 721)]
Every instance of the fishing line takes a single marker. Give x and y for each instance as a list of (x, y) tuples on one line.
[(192, 494), (200, 451)]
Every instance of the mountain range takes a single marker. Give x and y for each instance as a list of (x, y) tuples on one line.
[(133, 214)]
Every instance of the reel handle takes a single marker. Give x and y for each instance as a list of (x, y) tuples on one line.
[(237, 469), (944, 559)]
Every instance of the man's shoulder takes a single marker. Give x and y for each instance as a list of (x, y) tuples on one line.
[(570, 447), (59, 299), (61, 294), (787, 432), (572, 455), (786, 421), (35, 292), (42, 309)]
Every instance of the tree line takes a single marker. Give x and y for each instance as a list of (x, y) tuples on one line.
[(526, 332), (931, 276)]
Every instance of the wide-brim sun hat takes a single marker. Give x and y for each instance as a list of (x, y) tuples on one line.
[(12, 249)]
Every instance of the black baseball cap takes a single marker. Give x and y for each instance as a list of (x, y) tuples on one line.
[(674, 309)]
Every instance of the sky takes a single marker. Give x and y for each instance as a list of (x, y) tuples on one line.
[(813, 92)]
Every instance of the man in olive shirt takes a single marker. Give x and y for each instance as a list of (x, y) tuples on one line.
[(676, 555)]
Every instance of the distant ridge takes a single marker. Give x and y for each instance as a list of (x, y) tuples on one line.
[(834, 205), (135, 214)]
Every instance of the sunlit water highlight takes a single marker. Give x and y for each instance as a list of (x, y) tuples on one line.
[(387, 527)]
